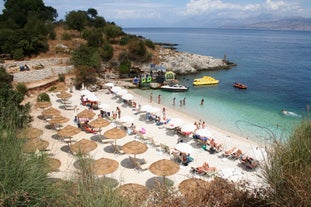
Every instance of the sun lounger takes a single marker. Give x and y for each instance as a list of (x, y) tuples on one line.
[(229, 152), (205, 170), (165, 149), (236, 155), (137, 164), (69, 107), (249, 162), (152, 142), (89, 130)]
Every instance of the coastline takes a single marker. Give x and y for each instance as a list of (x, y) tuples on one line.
[(125, 172)]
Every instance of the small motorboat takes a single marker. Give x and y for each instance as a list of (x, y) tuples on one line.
[(240, 85), (205, 80), (175, 88)]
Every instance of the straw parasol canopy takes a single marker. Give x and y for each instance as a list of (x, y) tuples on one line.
[(51, 112), (115, 133), (31, 133), (104, 166), (54, 164), (35, 144), (43, 104), (61, 86), (193, 186), (164, 167), (83, 146), (99, 122), (135, 192), (64, 95), (58, 120), (88, 114), (134, 147), (68, 131)]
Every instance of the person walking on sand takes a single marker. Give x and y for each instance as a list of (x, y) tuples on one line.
[(159, 99), (150, 97), (202, 101)]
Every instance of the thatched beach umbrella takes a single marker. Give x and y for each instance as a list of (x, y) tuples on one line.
[(58, 120), (88, 114), (64, 95), (51, 112), (99, 122), (30, 133), (83, 146), (54, 164), (104, 166), (68, 131), (193, 186), (43, 104), (115, 134), (136, 192), (164, 168), (61, 86), (134, 147), (35, 144)]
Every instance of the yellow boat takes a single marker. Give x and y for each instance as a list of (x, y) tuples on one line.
[(206, 80)]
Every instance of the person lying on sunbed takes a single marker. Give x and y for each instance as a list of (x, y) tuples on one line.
[(205, 168)]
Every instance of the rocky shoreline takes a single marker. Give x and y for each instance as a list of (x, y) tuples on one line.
[(186, 63), (178, 62)]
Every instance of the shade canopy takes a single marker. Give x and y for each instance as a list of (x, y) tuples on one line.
[(115, 133), (58, 120), (128, 97), (68, 131), (187, 128), (109, 84), (104, 106), (184, 147), (115, 89), (54, 164), (83, 146), (121, 92), (35, 144), (51, 112), (99, 122), (175, 122), (203, 132), (164, 167), (64, 95), (43, 104), (30, 133), (104, 166), (193, 186), (88, 114), (134, 147)]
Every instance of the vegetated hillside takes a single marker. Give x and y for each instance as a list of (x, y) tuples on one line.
[(75, 41)]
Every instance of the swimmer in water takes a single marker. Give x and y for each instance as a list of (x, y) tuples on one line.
[(284, 112)]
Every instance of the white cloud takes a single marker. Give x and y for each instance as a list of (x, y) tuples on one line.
[(215, 7)]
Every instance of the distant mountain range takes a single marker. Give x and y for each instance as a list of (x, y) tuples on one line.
[(296, 23)]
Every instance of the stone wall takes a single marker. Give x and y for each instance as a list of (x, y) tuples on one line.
[(41, 74)]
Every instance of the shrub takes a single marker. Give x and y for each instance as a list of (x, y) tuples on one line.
[(61, 77), (22, 88), (43, 97), (66, 36), (18, 54), (149, 44), (288, 169)]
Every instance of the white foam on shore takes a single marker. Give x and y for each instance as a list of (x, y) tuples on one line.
[(125, 173)]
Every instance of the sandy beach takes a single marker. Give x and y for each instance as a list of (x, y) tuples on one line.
[(126, 173)]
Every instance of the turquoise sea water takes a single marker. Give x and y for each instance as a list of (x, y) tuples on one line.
[(276, 66)]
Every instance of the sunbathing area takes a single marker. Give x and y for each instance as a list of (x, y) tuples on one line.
[(131, 140)]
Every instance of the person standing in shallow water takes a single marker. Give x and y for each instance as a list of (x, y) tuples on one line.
[(174, 101), (159, 99), (150, 97), (184, 101), (202, 101)]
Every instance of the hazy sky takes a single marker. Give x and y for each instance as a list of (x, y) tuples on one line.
[(154, 13)]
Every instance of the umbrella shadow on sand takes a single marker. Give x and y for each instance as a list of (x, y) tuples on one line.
[(110, 148), (66, 149), (126, 163), (157, 182)]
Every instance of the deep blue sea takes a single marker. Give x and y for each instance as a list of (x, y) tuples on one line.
[(276, 66)]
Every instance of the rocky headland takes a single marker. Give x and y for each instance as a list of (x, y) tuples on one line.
[(178, 62)]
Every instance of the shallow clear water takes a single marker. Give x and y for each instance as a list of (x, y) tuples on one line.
[(276, 66)]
